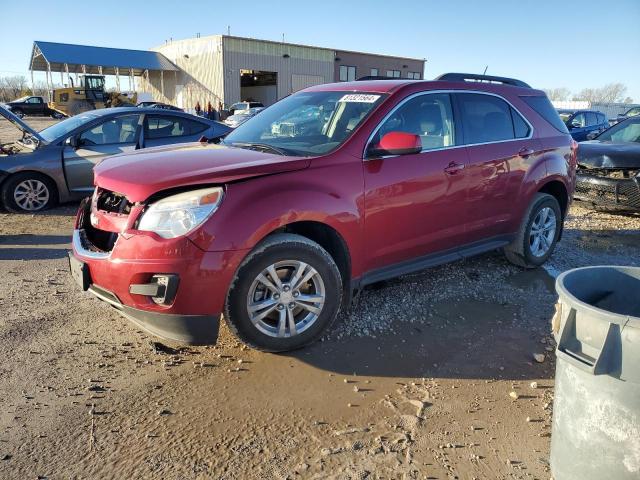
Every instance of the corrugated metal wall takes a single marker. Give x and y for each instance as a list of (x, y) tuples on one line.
[(201, 79), (247, 54)]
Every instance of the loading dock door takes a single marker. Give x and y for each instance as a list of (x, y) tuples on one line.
[(298, 82)]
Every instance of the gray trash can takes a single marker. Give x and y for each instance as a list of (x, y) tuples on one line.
[(596, 409)]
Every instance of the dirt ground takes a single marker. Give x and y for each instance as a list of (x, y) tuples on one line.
[(415, 382)]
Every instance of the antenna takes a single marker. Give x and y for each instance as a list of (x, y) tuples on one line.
[(229, 30), (485, 70)]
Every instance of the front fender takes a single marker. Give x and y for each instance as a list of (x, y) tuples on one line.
[(254, 208)]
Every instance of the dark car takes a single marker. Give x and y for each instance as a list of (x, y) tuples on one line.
[(609, 168), (56, 164), (32, 105), (277, 231), (581, 123)]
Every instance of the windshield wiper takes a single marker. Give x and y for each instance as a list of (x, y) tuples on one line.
[(265, 147)]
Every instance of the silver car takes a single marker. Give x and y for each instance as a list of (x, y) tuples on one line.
[(56, 164)]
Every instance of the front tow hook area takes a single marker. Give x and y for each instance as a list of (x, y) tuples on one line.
[(162, 289)]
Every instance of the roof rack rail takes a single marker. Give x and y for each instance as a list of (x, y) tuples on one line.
[(464, 77)]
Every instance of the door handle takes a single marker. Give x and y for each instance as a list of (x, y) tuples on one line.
[(453, 168), (525, 152)]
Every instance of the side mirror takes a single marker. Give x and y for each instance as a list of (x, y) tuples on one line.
[(574, 124), (72, 142), (396, 143), (592, 135)]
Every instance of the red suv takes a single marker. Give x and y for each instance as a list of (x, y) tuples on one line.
[(330, 189)]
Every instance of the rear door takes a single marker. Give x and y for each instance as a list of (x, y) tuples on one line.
[(115, 135), (165, 129), (501, 148), (415, 203)]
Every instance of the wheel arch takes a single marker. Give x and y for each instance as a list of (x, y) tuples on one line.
[(328, 238)]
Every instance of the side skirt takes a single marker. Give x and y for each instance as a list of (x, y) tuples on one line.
[(431, 260)]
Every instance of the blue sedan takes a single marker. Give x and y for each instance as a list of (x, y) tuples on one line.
[(56, 164)]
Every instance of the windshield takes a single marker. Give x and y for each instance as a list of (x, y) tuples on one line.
[(21, 99), (628, 131), (308, 123), (66, 126)]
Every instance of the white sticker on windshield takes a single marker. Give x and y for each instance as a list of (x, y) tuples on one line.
[(359, 97)]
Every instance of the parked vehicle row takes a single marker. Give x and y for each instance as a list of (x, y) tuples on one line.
[(332, 188), (56, 164)]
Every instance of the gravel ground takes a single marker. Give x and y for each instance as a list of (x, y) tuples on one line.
[(415, 382), (428, 376)]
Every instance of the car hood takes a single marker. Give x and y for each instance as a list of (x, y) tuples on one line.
[(598, 154), (140, 174), (20, 124)]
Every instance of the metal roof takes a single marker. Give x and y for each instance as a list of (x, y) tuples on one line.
[(95, 60)]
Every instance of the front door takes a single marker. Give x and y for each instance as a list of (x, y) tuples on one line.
[(415, 203), (110, 137)]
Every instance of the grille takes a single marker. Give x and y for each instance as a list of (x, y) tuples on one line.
[(622, 192), (113, 202)]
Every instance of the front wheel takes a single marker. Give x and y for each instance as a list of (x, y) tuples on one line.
[(285, 294), (28, 192), (538, 233)]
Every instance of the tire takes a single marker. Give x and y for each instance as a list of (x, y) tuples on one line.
[(26, 182), (18, 113), (286, 253), (522, 251), (57, 115)]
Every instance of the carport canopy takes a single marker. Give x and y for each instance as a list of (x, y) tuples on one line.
[(68, 58)]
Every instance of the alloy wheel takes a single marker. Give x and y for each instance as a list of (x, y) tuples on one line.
[(543, 232), (31, 195), (286, 298)]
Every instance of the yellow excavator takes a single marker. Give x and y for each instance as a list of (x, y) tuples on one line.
[(89, 95)]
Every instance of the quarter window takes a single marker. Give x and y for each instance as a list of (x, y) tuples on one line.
[(113, 131), (347, 73), (486, 118), (165, 127), (430, 116)]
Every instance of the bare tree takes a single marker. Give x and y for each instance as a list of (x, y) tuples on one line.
[(13, 87), (628, 100), (610, 93), (560, 94)]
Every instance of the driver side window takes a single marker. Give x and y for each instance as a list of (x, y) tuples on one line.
[(429, 116), (113, 131)]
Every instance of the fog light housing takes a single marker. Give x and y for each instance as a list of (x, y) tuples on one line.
[(162, 288)]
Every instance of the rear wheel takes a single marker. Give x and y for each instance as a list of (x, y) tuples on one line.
[(286, 293), (28, 192), (538, 233)]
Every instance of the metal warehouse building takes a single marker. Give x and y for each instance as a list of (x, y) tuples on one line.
[(224, 69)]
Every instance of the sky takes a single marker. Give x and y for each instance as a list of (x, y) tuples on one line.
[(547, 43)]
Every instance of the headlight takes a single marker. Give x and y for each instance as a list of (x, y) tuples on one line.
[(179, 214)]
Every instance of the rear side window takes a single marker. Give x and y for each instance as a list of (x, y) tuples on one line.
[(486, 118), (543, 107), (592, 119), (165, 127)]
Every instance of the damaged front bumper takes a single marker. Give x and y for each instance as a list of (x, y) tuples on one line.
[(612, 189)]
